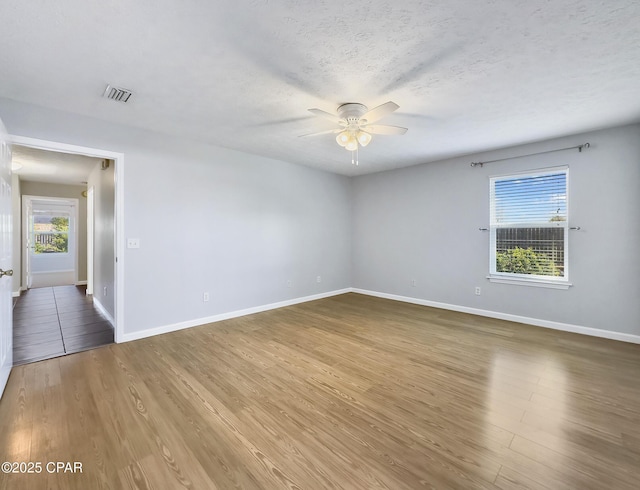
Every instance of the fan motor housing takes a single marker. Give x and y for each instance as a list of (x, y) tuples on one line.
[(351, 111)]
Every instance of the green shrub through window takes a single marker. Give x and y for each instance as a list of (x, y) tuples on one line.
[(51, 234)]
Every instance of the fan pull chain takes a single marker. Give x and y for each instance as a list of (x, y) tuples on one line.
[(354, 161)]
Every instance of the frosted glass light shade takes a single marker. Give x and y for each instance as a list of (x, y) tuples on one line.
[(350, 139), (363, 138), (342, 138), (352, 144)]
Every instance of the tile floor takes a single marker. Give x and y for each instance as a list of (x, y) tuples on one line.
[(54, 321)]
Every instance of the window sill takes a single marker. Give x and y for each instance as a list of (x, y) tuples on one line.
[(537, 283)]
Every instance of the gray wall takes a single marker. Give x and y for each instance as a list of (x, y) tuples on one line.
[(239, 226), (422, 223), (210, 219), (104, 258), (28, 188)]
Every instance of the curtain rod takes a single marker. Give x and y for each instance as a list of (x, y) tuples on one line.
[(579, 148)]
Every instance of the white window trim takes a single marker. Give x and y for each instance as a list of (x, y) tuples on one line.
[(528, 279), (524, 281)]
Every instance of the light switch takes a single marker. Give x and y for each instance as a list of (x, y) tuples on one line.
[(133, 243)]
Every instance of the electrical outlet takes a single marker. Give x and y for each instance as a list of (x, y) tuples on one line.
[(413, 282), (205, 296), (289, 283), (133, 243), (104, 291), (319, 279), (477, 291)]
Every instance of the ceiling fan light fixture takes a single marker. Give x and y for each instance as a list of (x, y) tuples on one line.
[(352, 144), (354, 124), (364, 138), (343, 138)]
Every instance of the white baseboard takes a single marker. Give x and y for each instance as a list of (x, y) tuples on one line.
[(104, 312), (81, 283), (565, 327), (150, 332), (16, 294)]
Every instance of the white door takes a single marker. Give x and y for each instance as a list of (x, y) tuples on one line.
[(6, 268)]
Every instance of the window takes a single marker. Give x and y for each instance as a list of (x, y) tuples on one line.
[(529, 227), (50, 233)]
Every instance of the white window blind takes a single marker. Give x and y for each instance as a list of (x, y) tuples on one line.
[(529, 231)]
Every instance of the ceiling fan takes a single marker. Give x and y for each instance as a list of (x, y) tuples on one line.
[(355, 121)]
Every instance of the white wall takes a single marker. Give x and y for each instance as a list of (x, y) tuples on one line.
[(210, 219), (104, 277), (422, 223)]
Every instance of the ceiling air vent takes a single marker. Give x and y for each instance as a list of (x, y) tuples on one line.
[(118, 94)]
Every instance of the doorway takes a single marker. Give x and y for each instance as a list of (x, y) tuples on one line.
[(54, 240), (51, 238)]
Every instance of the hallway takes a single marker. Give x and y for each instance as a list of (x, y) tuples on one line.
[(54, 321)]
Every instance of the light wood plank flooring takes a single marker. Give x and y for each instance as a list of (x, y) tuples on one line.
[(54, 321), (347, 392)]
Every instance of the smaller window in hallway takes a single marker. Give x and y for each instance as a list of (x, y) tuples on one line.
[(50, 233)]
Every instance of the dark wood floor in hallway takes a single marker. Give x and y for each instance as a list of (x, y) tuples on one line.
[(54, 321)]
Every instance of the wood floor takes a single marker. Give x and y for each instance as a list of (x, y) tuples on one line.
[(347, 392), (54, 321)]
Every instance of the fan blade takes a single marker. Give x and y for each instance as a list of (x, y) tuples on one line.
[(382, 129), (334, 131), (379, 112), (320, 112)]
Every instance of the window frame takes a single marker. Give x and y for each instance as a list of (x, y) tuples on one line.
[(556, 282)]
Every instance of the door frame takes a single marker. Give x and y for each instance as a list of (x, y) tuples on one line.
[(27, 204), (90, 238), (118, 159)]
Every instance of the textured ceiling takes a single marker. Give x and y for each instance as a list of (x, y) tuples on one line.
[(469, 75), (49, 166)]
